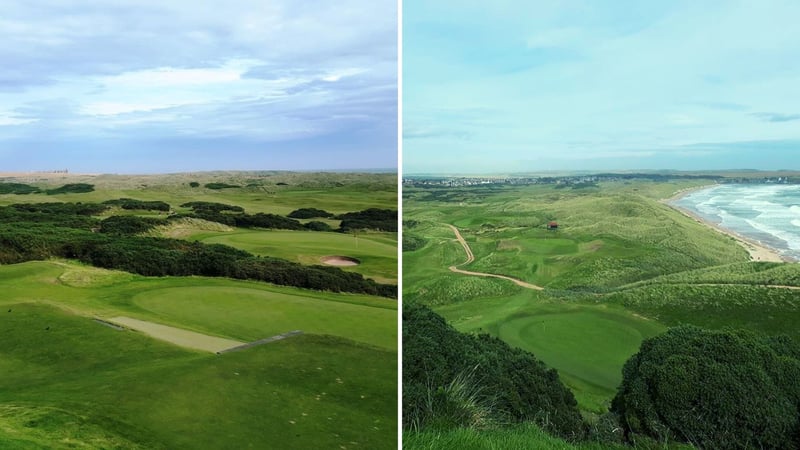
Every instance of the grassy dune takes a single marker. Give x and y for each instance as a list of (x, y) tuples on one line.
[(622, 267)]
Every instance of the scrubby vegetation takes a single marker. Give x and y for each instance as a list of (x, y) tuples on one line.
[(456, 380), (212, 207), (309, 213), (71, 188), (372, 218), (18, 188), (713, 389), (40, 231), (218, 186), (130, 225), (133, 204)]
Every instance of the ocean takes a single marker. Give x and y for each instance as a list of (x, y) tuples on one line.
[(767, 213)]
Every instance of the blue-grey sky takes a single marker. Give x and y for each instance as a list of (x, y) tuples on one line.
[(162, 86), (600, 85)]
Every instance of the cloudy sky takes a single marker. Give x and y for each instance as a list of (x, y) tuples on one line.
[(152, 86), (626, 84)]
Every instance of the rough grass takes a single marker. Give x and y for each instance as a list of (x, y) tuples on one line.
[(523, 437)]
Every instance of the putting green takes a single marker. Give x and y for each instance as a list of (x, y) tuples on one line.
[(587, 345)]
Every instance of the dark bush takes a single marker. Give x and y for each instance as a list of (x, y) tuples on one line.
[(371, 219), (129, 225), (713, 389), (133, 204), (18, 188), (510, 382), (316, 225), (71, 188), (218, 186), (309, 213)]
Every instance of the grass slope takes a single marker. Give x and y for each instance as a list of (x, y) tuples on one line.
[(95, 387), (622, 267)]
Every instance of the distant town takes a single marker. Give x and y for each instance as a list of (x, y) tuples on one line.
[(591, 180)]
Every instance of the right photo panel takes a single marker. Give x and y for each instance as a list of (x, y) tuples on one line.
[(601, 225)]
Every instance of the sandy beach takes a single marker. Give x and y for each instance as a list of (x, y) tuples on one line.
[(758, 251)]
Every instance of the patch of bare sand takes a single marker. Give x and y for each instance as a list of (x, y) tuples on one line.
[(336, 260), (177, 336)]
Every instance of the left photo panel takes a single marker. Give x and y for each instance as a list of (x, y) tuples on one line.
[(198, 225)]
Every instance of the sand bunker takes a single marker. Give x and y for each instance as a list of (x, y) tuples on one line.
[(339, 261), (177, 336)]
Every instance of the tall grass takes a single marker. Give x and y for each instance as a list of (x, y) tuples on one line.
[(461, 403)]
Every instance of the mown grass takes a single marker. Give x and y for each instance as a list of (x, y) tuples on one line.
[(587, 343), (97, 387)]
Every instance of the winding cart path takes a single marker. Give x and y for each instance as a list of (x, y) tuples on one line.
[(471, 257)]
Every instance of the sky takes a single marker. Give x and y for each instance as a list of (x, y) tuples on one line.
[(526, 86), (150, 86)]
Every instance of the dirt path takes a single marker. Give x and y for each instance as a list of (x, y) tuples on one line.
[(177, 336), (471, 257)]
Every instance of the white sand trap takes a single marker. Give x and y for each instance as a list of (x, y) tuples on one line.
[(177, 336), (336, 260)]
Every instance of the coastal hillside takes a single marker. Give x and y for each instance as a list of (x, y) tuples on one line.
[(581, 275)]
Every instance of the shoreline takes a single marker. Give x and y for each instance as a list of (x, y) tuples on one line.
[(680, 193), (757, 250)]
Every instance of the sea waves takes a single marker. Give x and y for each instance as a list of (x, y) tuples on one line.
[(769, 214)]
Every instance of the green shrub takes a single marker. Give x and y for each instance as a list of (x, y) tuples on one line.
[(309, 213), (71, 188), (713, 389), (453, 379), (218, 186)]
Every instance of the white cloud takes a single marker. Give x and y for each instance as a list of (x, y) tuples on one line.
[(10, 120)]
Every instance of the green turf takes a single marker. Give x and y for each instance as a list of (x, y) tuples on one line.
[(588, 344), (376, 252), (249, 314), (86, 385)]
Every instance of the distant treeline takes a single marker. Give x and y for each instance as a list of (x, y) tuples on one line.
[(65, 230), (23, 189)]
